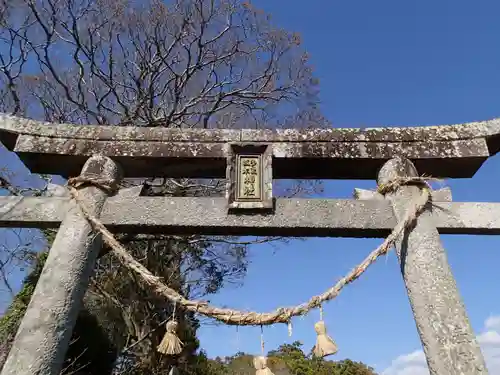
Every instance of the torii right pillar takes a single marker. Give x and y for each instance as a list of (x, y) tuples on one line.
[(449, 343)]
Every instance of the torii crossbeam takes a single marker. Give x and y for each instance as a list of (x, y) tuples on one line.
[(250, 160)]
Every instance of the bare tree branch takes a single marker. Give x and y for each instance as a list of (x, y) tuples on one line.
[(183, 64)]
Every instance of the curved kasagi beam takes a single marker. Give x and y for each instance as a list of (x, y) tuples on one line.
[(336, 153)]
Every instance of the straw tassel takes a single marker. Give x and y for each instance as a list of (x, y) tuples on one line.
[(171, 344), (260, 364), (324, 343)]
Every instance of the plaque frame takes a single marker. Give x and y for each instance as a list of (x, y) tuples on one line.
[(236, 152)]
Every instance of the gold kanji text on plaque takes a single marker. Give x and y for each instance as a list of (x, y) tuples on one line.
[(249, 178)]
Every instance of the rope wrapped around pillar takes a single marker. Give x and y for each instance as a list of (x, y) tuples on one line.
[(447, 338), (44, 334)]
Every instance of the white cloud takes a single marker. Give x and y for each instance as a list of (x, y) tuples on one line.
[(408, 364), (493, 322), (414, 363)]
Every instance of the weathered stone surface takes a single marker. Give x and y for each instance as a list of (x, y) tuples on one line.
[(33, 212), (296, 217), (382, 150), (66, 157), (69, 146), (43, 337), (381, 134), (359, 160), (448, 340), (449, 218), (440, 195), (18, 126), (480, 129), (134, 191), (292, 217), (441, 151), (477, 217)]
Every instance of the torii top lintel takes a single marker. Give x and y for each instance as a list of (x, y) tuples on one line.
[(452, 151)]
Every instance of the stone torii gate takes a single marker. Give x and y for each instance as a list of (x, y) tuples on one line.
[(250, 160)]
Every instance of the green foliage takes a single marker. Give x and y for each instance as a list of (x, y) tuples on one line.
[(288, 359), (299, 364), (9, 322), (90, 349), (202, 365)]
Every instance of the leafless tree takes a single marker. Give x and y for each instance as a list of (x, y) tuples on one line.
[(183, 64), (192, 63)]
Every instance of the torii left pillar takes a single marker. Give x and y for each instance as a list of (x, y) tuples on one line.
[(43, 337)]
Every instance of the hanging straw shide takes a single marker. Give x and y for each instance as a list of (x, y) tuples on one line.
[(171, 344), (325, 346), (324, 343), (260, 362)]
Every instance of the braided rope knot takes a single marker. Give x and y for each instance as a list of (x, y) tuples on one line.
[(393, 185), (110, 186)]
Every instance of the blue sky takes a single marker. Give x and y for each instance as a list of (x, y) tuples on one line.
[(388, 62), (382, 63)]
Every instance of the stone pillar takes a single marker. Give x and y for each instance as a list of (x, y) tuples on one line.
[(448, 340), (43, 337)]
